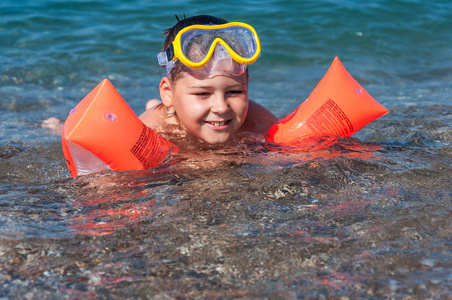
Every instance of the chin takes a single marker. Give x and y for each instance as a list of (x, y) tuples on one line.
[(217, 141)]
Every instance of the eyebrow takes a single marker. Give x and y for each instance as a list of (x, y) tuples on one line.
[(238, 85), (198, 86)]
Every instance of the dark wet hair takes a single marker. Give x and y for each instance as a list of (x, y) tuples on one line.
[(181, 24)]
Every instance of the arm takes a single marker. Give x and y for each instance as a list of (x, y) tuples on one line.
[(258, 119)]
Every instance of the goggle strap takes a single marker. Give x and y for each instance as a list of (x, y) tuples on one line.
[(161, 56), (166, 56)]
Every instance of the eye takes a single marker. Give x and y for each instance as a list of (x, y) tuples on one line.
[(202, 95), (235, 92)]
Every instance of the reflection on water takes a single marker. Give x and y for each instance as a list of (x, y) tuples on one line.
[(335, 216)]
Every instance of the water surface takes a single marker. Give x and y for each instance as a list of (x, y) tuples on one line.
[(363, 217)]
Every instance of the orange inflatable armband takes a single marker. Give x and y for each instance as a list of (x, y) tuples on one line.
[(338, 105), (102, 133)]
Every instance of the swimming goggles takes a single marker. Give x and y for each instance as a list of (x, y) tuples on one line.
[(209, 47)]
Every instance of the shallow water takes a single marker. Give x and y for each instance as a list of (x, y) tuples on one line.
[(363, 217)]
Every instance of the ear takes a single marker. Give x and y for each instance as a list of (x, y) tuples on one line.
[(166, 92)]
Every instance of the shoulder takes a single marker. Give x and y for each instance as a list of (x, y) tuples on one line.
[(153, 116), (258, 119)]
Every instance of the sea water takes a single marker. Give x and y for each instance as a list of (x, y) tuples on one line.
[(362, 217)]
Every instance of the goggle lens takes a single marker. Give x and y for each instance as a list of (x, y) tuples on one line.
[(196, 44), (205, 46)]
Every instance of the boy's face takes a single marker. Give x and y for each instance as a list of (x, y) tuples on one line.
[(212, 109)]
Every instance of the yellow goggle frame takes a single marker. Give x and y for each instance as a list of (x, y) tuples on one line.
[(175, 51)]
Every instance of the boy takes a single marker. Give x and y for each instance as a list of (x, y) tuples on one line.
[(205, 90)]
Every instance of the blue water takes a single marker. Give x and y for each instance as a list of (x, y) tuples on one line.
[(365, 217)]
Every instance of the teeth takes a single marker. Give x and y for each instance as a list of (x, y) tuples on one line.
[(218, 123)]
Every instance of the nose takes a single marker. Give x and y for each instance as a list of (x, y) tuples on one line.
[(219, 104)]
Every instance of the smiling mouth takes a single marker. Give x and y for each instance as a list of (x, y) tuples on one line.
[(218, 124)]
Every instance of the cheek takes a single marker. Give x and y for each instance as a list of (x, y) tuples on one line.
[(241, 107), (197, 108), (190, 110)]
